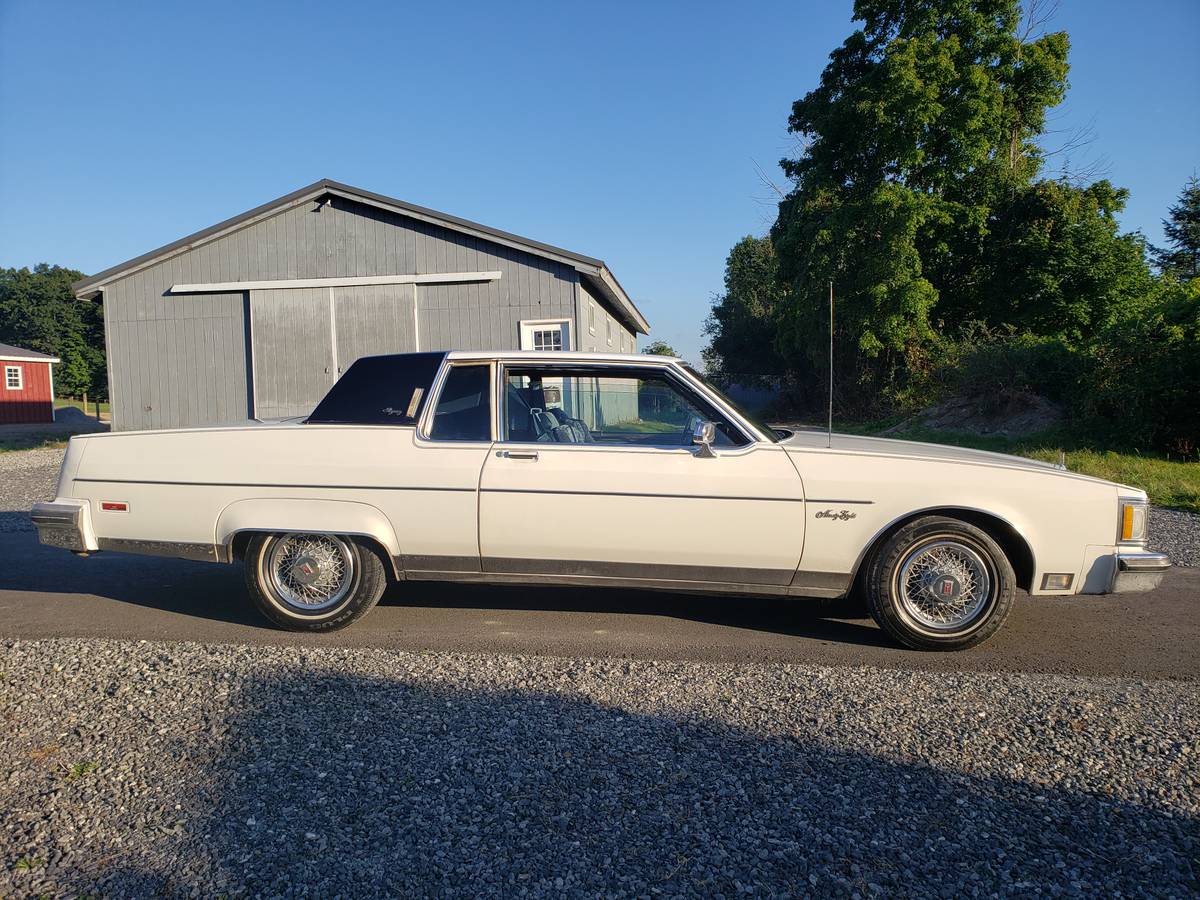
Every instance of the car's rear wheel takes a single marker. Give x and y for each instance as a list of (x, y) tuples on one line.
[(940, 584), (313, 582)]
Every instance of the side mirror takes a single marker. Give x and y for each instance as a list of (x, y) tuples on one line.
[(703, 434)]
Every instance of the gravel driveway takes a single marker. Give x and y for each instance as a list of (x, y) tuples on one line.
[(31, 475), (139, 769)]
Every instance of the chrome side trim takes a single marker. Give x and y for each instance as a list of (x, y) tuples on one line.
[(311, 487), (636, 494), (703, 579), (648, 584), (855, 502), (836, 582), (639, 571), (179, 549), (411, 564), (642, 584)]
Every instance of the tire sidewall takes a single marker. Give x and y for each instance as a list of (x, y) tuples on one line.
[(367, 583), (882, 585)]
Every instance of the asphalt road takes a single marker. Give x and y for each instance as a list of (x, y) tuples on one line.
[(49, 593)]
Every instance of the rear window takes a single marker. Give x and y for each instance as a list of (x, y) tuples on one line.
[(380, 390)]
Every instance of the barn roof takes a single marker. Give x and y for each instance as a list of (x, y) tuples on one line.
[(20, 354), (594, 270)]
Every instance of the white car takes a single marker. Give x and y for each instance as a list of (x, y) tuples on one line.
[(595, 469)]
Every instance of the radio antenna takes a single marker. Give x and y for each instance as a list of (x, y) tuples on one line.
[(829, 434)]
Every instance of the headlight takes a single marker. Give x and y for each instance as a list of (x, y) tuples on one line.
[(1133, 522)]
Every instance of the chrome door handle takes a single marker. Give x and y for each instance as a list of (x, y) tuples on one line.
[(519, 454)]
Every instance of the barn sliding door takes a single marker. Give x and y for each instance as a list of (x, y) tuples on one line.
[(304, 338), (292, 341), (373, 319)]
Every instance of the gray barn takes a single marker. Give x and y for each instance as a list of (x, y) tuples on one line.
[(255, 317)]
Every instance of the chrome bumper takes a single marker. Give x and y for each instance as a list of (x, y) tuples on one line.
[(1139, 571), (61, 525)]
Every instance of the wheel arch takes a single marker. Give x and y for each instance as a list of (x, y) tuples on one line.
[(1015, 545), (242, 519)]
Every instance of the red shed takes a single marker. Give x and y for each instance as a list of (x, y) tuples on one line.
[(27, 388)]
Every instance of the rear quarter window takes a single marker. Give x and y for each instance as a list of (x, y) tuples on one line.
[(380, 390)]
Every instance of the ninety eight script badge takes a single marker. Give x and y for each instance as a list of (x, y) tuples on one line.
[(842, 515)]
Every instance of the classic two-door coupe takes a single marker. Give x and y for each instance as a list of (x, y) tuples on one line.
[(595, 469)]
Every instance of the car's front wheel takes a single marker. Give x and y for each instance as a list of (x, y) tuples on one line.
[(940, 584), (313, 582)]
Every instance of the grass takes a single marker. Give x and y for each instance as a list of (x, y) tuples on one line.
[(1168, 482), (78, 404), (34, 440), (79, 770)]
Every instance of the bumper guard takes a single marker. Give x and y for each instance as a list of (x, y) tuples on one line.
[(1139, 571), (62, 525)]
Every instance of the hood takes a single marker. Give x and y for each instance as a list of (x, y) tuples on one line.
[(852, 443)]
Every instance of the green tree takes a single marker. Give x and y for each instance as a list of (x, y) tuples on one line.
[(660, 348), (923, 119), (39, 311), (741, 325), (1181, 258), (1053, 263), (1145, 372)]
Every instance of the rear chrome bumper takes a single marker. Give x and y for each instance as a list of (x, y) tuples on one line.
[(64, 524), (1138, 571)]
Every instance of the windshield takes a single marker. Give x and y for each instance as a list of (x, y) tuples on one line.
[(773, 434)]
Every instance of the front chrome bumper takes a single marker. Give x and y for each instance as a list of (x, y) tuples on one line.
[(63, 525), (1138, 571)]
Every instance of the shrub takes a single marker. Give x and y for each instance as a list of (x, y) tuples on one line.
[(1143, 385)]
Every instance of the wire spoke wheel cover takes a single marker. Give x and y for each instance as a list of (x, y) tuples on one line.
[(943, 585), (310, 573)]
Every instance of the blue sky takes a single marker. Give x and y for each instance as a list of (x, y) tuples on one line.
[(628, 131)]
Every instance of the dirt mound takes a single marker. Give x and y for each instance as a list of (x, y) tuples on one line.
[(74, 417), (1025, 415)]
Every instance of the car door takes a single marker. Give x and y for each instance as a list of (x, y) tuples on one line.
[(595, 475)]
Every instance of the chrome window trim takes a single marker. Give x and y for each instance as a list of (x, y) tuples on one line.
[(422, 432), (671, 371)]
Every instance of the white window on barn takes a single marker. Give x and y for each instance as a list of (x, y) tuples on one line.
[(591, 317), (550, 335), (13, 380), (610, 324)]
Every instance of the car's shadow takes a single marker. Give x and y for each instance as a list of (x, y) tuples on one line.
[(795, 616), (217, 593)]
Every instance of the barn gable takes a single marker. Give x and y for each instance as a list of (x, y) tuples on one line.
[(257, 315)]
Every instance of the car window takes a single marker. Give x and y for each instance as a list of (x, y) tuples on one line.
[(463, 411), (380, 390), (547, 405)]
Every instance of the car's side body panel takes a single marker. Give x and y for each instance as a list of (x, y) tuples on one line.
[(204, 486), (642, 512), (792, 517), (856, 496)]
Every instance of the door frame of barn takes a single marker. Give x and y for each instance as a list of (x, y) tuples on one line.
[(330, 293)]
